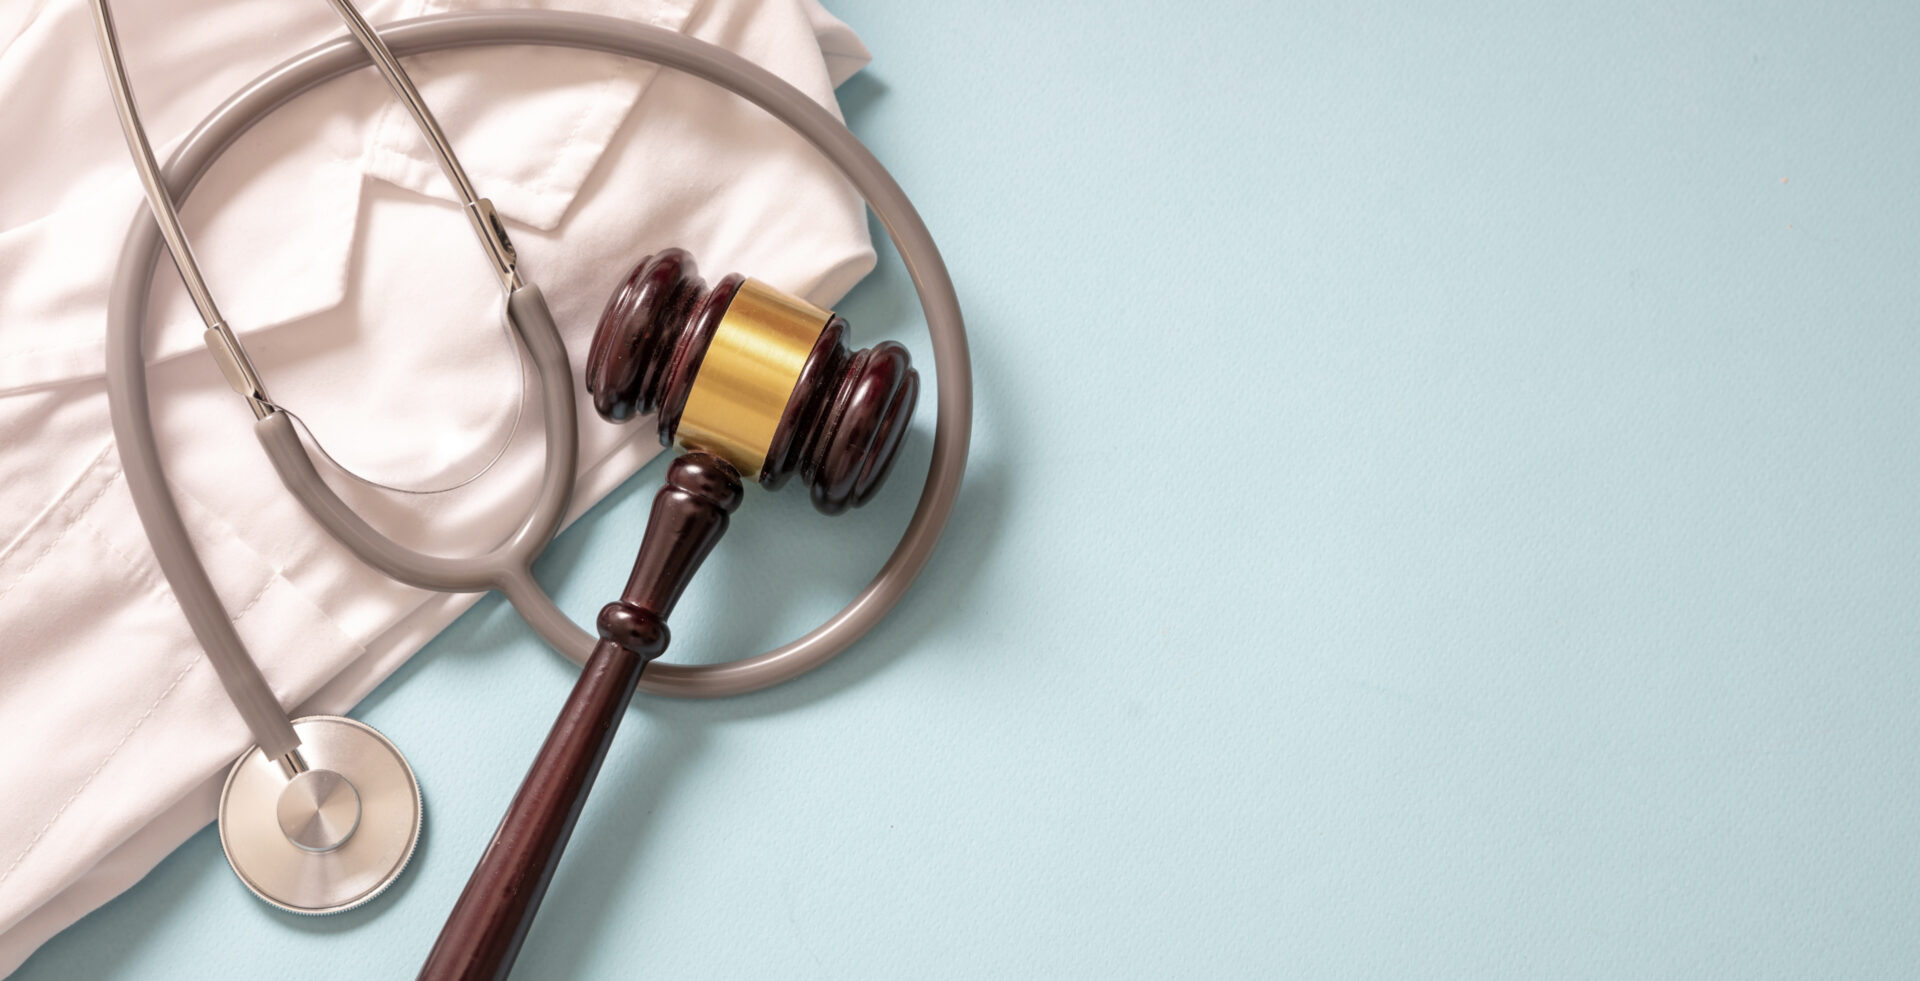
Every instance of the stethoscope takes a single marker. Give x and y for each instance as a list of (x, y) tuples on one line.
[(323, 813)]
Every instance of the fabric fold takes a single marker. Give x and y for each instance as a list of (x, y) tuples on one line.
[(385, 337)]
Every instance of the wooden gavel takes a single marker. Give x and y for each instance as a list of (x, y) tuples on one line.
[(748, 380)]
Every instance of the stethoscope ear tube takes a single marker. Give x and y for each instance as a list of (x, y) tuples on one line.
[(952, 364), (140, 458), (508, 568)]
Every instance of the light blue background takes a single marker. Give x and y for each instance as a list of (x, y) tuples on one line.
[(1444, 503)]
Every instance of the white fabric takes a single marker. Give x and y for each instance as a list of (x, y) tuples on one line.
[(329, 240)]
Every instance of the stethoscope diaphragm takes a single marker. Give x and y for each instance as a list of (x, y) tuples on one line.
[(331, 836)]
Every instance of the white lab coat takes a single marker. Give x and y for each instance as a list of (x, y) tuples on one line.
[(330, 241)]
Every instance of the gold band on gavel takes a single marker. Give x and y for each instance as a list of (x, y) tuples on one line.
[(748, 375)]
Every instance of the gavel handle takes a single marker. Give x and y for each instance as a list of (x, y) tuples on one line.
[(484, 932)]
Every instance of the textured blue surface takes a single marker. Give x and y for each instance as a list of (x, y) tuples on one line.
[(1444, 504)]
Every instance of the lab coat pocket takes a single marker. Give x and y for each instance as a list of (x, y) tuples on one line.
[(79, 682), (112, 711)]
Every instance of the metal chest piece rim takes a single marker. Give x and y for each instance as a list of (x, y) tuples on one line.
[(331, 837)]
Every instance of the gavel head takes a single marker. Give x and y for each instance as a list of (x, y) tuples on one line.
[(754, 376)]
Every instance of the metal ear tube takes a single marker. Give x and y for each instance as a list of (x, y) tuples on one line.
[(294, 805), (838, 426)]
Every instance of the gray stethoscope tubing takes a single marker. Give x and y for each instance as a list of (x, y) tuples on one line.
[(508, 568), (274, 732)]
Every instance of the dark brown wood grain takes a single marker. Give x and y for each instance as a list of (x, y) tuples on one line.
[(841, 429), (489, 922), (844, 419), (484, 932), (850, 445)]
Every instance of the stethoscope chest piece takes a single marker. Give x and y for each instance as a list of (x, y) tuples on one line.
[(755, 385), (330, 836)]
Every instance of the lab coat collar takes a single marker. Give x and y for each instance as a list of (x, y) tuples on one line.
[(273, 240)]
